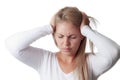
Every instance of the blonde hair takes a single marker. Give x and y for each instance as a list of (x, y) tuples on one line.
[(74, 16)]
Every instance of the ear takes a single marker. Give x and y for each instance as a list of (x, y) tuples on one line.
[(82, 37), (54, 38)]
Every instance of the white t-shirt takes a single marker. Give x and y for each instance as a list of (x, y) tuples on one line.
[(46, 63)]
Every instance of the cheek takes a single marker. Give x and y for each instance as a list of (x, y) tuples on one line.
[(57, 42), (76, 44)]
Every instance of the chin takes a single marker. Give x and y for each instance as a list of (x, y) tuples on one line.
[(67, 53)]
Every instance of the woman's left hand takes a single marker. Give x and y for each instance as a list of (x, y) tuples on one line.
[(85, 20)]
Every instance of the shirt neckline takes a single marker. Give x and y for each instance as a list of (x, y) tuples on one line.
[(65, 74)]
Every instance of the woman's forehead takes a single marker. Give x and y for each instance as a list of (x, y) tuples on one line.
[(66, 27)]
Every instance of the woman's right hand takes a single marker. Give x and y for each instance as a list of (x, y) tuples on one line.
[(52, 22)]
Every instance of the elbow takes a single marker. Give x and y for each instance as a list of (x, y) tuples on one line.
[(119, 52), (10, 46), (116, 53)]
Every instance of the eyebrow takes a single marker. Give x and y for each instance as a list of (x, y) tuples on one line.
[(68, 35)]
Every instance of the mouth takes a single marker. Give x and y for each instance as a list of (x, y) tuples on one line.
[(66, 49)]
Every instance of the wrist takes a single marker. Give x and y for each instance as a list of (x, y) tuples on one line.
[(84, 29)]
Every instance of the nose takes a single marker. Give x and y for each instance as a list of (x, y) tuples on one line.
[(66, 42)]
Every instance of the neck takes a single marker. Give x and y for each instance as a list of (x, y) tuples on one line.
[(66, 58)]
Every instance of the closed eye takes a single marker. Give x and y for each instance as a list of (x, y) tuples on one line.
[(72, 37), (60, 36)]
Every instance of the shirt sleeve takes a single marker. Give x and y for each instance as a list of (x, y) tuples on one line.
[(108, 51), (19, 45)]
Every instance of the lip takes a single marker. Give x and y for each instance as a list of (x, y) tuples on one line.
[(66, 49)]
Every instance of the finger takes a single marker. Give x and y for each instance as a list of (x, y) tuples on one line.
[(85, 20)]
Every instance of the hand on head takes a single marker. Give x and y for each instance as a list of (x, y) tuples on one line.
[(52, 22), (85, 20)]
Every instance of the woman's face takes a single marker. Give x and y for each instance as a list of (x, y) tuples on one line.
[(67, 38)]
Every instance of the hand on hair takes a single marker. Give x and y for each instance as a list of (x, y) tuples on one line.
[(85, 20), (52, 22)]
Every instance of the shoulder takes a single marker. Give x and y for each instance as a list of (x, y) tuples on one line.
[(34, 51), (48, 54)]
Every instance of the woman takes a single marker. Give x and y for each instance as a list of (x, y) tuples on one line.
[(70, 29)]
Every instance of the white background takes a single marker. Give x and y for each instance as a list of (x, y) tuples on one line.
[(20, 15)]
